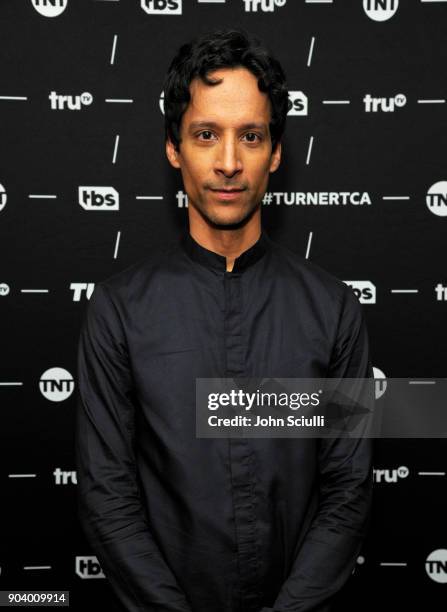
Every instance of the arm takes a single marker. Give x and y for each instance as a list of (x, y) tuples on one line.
[(109, 505), (329, 551)]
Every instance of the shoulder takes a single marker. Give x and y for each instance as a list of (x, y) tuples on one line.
[(136, 279), (315, 281)]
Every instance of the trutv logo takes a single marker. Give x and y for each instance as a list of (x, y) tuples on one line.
[(267, 6), (162, 7), (64, 102), (387, 475), (385, 105)]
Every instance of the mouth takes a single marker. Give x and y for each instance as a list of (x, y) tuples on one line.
[(227, 194)]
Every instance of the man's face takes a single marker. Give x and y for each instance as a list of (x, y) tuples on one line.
[(225, 144)]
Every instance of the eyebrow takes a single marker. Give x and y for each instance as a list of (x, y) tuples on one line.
[(245, 126)]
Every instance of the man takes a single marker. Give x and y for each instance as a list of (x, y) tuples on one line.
[(181, 523)]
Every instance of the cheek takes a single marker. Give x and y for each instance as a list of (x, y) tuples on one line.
[(194, 170), (259, 172)]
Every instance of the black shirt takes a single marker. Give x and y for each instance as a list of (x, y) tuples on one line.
[(181, 523)]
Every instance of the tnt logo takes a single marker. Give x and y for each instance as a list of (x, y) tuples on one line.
[(60, 102), (268, 6), (4, 289), (364, 290), (98, 198), (380, 10), (436, 199), (386, 105), (88, 567), (162, 7), (298, 103), (3, 197), (390, 475), (436, 565), (79, 288), (380, 383), (50, 8), (56, 384)]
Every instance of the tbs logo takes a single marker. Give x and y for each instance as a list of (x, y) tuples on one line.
[(298, 103), (99, 198), (364, 290), (88, 567), (162, 7)]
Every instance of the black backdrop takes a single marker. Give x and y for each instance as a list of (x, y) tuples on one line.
[(53, 249)]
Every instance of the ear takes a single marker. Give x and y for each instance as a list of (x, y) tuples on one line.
[(172, 154), (276, 158)]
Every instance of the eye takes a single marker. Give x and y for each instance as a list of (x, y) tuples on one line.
[(204, 132), (253, 134)]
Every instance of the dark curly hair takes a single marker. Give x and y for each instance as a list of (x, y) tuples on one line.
[(223, 48)]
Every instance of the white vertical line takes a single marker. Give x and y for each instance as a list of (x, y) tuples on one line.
[(309, 57), (115, 254), (309, 242), (309, 149), (117, 139), (112, 59)]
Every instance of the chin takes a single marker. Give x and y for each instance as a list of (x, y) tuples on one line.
[(227, 214), (227, 219)]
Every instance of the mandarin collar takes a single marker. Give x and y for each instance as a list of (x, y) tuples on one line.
[(217, 262)]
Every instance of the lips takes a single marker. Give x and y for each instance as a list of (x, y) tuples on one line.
[(227, 194)]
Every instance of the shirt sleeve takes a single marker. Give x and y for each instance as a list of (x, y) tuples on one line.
[(109, 505), (329, 551)]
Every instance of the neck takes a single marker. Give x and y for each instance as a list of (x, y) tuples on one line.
[(225, 242)]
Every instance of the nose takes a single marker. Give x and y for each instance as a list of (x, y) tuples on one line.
[(228, 159)]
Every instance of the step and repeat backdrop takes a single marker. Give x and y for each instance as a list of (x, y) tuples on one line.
[(86, 190)]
